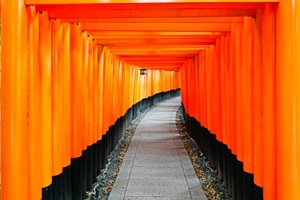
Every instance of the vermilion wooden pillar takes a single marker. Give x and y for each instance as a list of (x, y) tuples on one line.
[(66, 88), (75, 72), (100, 90), (96, 97), (257, 100), (56, 73), (217, 88), (268, 102), (14, 94), (247, 94), (231, 91), (46, 101), (34, 81), (85, 90), (287, 104)]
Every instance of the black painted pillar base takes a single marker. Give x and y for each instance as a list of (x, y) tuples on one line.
[(239, 183), (76, 178)]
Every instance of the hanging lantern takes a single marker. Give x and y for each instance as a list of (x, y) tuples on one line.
[(143, 71)]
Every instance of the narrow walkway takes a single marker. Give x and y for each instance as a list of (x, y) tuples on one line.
[(156, 164)]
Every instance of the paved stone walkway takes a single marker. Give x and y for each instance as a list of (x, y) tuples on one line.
[(156, 164)]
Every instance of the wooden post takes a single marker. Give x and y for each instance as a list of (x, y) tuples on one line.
[(268, 101), (34, 81), (14, 114), (46, 83), (287, 105)]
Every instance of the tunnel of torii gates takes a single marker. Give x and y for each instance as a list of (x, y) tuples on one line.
[(71, 82)]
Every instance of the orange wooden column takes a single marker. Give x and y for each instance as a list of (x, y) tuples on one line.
[(56, 70), (90, 104), (100, 90), (191, 87), (116, 88), (136, 77), (217, 88), (75, 72), (209, 60), (231, 89), (122, 89), (34, 81), (257, 100), (126, 86), (46, 84), (268, 101), (239, 151), (194, 86), (224, 94), (154, 78), (287, 138), (197, 89), (212, 89), (184, 91), (114, 93), (14, 125), (95, 84), (176, 79), (130, 86), (143, 87), (106, 91), (223, 65), (109, 67), (247, 94), (203, 88), (66, 84), (85, 90)]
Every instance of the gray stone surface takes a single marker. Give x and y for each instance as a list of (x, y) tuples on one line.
[(156, 165)]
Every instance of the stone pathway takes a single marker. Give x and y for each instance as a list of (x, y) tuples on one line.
[(156, 164)]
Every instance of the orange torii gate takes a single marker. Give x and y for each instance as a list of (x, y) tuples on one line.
[(66, 65)]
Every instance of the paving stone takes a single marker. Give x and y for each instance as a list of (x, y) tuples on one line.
[(143, 188), (154, 152), (157, 172), (158, 160), (121, 181), (197, 192), (156, 145), (117, 193), (157, 198)]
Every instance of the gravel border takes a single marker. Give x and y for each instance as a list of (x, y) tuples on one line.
[(105, 181), (214, 190)]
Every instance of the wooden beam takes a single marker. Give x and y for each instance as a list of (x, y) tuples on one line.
[(150, 13), (158, 50), (153, 33), (149, 52), (157, 27), (60, 2), (151, 62), (85, 19), (165, 47), (160, 41), (159, 66), (166, 68), (160, 62), (158, 57), (149, 37)]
